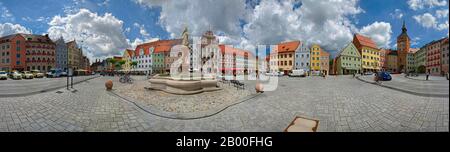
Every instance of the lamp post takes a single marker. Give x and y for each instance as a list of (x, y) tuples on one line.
[(67, 66)]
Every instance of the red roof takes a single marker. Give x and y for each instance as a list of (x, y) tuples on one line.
[(413, 50), (365, 41), (288, 46), (159, 46), (231, 50)]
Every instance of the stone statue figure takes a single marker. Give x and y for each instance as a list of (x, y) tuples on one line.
[(185, 37)]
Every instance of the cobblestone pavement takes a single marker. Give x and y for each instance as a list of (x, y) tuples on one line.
[(434, 87), (340, 103), (29, 86)]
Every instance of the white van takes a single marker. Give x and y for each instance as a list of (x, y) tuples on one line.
[(298, 73)]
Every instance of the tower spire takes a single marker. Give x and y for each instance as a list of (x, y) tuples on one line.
[(404, 27)]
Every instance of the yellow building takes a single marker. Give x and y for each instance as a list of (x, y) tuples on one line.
[(127, 57), (315, 58), (370, 54)]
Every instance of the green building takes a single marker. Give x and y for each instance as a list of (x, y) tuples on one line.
[(158, 62), (410, 66), (348, 61), (420, 60)]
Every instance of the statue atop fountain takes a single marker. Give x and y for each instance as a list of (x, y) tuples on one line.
[(183, 86)]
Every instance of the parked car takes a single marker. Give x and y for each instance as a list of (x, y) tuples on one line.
[(279, 74), (64, 74), (37, 74), (298, 73), (27, 75), (3, 75), (16, 75), (384, 76), (54, 73), (368, 73)]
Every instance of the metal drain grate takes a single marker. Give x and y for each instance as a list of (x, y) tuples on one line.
[(59, 92)]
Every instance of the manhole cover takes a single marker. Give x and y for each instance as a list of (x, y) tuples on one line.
[(59, 92)]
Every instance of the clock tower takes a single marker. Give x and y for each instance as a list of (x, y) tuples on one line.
[(403, 45)]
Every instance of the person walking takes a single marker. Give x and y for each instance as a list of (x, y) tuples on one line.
[(377, 79), (428, 75), (447, 75)]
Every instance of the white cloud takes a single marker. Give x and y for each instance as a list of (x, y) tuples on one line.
[(429, 21), (139, 41), (135, 43), (127, 30), (397, 14), (101, 35), (421, 4), (104, 3), (426, 20), (9, 28), (442, 13), (273, 21), (443, 26), (5, 13), (380, 32), (142, 30), (199, 15)]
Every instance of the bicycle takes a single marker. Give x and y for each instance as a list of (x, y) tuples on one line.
[(126, 79)]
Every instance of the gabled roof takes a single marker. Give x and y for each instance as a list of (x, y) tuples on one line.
[(232, 50), (160, 46), (129, 52), (30, 37), (349, 45), (288, 46), (324, 53), (413, 50), (365, 41)]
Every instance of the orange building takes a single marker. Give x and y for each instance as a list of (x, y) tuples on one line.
[(403, 46), (27, 52), (283, 56), (324, 62)]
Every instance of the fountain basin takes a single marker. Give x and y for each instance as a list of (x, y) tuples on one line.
[(182, 87)]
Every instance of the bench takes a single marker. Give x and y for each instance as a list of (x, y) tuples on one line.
[(238, 84)]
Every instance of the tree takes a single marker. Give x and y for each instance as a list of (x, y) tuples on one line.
[(134, 63), (421, 69), (120, 63), (113, 62)]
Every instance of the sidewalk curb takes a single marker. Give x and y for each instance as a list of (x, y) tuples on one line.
[(182, 116), (423, 80), (406, 91), (42, 91)]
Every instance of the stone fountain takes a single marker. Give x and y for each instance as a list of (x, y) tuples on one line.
[(184, 84)]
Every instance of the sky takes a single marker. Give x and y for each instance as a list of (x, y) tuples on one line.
[(106, 27)]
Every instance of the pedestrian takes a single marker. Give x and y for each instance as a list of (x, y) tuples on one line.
[(428, 75), (354, 75)]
